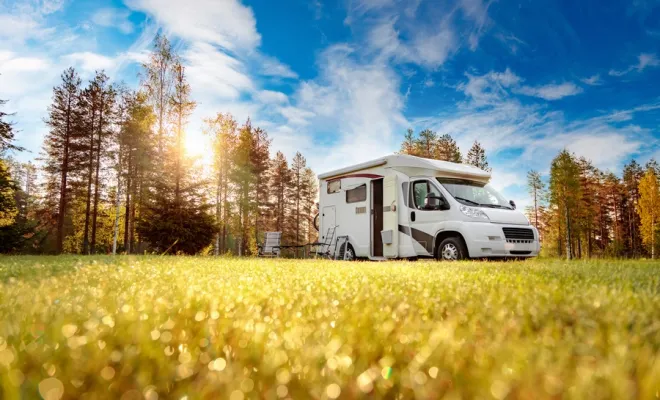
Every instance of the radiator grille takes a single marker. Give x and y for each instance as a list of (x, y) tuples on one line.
[(518, 235)]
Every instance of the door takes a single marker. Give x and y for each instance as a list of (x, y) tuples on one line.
[(328, 222), (424, 217), (376, 217), (390, 217)]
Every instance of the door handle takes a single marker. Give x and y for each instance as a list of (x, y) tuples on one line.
[(412, 216)]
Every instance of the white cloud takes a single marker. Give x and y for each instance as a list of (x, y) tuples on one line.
[(89, 62), (226, 23), (113, 18), (270, 66), (214, 73), (593, 80), (358, 105), (644, 60), (551, 91), (271, 97)]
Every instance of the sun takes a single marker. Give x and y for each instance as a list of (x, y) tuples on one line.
[(198, 147)]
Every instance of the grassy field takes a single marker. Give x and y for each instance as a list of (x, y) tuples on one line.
[(167, 327)]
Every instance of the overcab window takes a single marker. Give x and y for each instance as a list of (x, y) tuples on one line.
[(334, 186), (356, 195)]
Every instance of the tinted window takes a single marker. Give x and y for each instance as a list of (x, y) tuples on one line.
[(357, 195)]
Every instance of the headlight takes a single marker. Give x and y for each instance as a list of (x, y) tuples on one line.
[(475, 213)]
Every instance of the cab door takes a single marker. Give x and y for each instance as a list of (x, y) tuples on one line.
[(425, 218)]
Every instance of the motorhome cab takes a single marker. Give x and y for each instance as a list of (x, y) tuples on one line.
[(402, 206)]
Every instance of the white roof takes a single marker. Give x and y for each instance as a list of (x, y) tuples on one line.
[(405, 162)]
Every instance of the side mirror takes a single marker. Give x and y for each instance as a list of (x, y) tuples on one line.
[(513, 204)]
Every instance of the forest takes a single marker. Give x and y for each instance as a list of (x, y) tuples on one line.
[(113, 176)]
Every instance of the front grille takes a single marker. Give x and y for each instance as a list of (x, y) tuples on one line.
[(518, 235)]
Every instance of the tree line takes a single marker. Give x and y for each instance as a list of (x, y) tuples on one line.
[(585, 212), (113, 174)]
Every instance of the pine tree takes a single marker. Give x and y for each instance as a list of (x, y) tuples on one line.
[(535, 188), (243, 180), (181, 107), (427, 143), (280, 186), (8, 210), (632, 174), (477, 157), (63, 151), (447, 150), (564, 196), (299, 188), (648, 209), (259, 158), (409, 144), (6, 132), (310, 197)]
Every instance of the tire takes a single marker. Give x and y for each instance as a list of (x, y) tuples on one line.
[(451, 249), (349, 254)]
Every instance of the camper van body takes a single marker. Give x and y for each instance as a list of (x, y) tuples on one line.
[(401, 206)]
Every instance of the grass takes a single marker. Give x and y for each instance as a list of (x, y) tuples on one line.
[(171, 327)]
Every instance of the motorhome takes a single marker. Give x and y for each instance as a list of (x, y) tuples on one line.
[(400, 206)]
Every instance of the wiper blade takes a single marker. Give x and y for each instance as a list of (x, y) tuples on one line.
[(467, 200), (496, 206)]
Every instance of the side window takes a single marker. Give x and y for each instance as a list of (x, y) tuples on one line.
[(420, 190), (356, 195), (334, 186)]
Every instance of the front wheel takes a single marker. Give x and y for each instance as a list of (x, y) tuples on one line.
[(451, 249)]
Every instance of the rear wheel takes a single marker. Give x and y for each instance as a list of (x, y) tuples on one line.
[(451, 249), (350, 253)]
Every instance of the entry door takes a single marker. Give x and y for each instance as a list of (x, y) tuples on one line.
[(328, 221), (390, 217), (424, 222), (376, 217)]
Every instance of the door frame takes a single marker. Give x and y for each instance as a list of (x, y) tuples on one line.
[(374, 211)]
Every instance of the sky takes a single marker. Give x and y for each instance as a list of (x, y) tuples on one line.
[(341, 81)]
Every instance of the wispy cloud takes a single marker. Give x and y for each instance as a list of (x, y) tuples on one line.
[(551, 91), (593, 80), (113, 18), (644, 60)]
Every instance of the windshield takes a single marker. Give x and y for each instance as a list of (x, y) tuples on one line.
[(473, 193)]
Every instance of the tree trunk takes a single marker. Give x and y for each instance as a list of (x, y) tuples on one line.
[(63, 182), (90, 169), (569, 248), (96, 178), (127, 243), (117, 205)]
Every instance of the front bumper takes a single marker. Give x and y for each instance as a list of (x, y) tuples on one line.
[(485, 239)]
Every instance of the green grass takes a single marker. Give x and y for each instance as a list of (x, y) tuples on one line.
[(167, 327)]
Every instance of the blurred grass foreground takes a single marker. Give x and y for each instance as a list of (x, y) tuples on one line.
[(205, 328)]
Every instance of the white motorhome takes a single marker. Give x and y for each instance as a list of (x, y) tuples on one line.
[(401, 206)]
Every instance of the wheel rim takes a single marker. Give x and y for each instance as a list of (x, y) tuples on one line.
[(349, 255), (449, 252)]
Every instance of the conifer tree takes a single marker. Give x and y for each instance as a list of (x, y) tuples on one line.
[(280, 186), (477, 157), (535, 188), (564, 196), (299, 188), (447, 150), (62, 144)]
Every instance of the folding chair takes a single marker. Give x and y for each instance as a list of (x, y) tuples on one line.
[(271, 245)]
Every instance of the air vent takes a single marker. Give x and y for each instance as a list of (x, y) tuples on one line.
[(518, 235)]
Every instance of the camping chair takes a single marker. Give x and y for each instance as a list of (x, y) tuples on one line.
[(324, 248), (271, 245)]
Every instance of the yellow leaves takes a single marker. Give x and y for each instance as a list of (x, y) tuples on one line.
[(648, 208)]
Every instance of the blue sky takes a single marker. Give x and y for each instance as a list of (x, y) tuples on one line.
[(341, 81)]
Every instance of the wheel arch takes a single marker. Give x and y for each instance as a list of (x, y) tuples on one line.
[(442, 235)]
